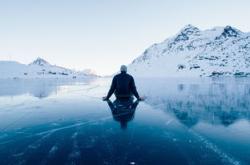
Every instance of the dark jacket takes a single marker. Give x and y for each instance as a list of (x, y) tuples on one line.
[(123, 85)]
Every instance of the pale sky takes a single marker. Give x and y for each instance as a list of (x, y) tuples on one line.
[(103, 34)]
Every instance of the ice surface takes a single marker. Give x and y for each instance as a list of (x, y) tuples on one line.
[(182, 121)]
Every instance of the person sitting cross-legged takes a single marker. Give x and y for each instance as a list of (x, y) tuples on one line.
[(123, 86)]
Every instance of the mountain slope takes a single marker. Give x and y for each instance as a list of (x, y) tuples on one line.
[(39, 68), (221, 51)]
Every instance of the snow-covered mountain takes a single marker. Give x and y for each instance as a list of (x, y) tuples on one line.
[(39, 68), (221, 51)]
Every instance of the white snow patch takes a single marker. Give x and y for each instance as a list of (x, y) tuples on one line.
[(221, 51)]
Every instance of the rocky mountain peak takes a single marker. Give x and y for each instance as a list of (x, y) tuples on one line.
[(189, 29), (229, 31), (39, 61), (186, 32)]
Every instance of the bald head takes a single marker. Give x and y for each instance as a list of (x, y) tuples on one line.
[(123, 68)]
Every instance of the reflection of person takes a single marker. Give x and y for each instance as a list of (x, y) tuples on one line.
[(123, 110), (123, 85)]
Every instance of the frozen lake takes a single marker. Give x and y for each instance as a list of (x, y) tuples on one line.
[(193, 122)]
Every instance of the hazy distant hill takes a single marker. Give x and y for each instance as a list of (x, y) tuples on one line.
[(39, 68)]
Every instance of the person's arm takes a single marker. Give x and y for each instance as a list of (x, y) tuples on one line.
[(111, 105), (133, 88), (112, 88), (135, 104)]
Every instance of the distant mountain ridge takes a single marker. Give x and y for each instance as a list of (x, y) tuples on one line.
[(39, 68), (39, 61), (221, 51)]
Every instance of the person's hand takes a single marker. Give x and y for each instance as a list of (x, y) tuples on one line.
[(104, 98)]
